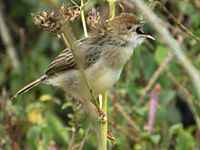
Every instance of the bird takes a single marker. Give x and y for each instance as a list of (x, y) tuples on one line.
[(102, 56)]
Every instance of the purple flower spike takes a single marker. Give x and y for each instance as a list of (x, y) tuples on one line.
[(154, 96)]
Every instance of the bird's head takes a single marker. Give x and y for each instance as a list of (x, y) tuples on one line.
[(129, 27)]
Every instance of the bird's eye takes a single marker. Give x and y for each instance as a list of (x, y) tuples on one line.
[(129, 27)]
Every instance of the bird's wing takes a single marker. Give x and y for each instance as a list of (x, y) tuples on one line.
[(90, 50), (63, 62)]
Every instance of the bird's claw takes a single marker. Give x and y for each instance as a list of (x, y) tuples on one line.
[(102, 116)]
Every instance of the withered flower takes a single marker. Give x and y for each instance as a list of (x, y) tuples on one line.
[(97, 24), (70, 13), (54, 21), (93, 18), (50, 21)]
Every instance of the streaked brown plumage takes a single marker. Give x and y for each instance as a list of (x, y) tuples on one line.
[(64, 61)]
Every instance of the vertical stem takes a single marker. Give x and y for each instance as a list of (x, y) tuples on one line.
[(104, 125), (69, 43), (111, 9), (83, 19)]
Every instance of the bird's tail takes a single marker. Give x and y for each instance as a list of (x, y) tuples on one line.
[(29, 86)]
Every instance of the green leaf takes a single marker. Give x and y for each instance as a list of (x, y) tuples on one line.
[(184, 138), (81, 131), (166, 96), (33, 136), (195, 19), (161, 54), (66, 104), (175, 128), (149, 66), (155, 138), (66, 129), (174, 115), (56, 127)]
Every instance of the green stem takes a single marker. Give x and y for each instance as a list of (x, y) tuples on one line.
[(70, 45), (83, 19), (104, 124), (112, 8)]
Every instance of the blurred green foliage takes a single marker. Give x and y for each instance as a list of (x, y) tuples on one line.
[(45, 118)]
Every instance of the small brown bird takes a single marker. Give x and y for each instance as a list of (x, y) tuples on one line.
[(102, 57)]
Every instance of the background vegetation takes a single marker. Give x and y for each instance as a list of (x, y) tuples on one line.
[(153, 80)]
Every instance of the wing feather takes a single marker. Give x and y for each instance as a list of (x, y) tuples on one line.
[(64, 61)]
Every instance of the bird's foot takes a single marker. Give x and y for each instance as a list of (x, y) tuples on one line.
[(102, 116)]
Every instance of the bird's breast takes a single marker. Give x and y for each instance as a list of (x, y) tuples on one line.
[(117, 57), (102, 78)]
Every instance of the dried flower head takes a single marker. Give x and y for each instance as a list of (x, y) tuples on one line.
[(93, 18), (50, 21), (97, 24), (54, 21), (70, 13)]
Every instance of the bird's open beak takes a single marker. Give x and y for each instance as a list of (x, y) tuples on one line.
[(141, 32)]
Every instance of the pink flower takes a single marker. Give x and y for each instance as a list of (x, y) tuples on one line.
[(154, 96)]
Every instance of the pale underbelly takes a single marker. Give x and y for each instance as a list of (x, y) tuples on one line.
[(103, 79), (99, 78)]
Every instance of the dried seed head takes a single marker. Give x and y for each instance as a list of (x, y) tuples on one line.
[(54, 21), (50, 21), (93, 19), (97, 24), (69, 13)]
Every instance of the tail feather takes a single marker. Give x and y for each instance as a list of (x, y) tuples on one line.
[(29, 86)]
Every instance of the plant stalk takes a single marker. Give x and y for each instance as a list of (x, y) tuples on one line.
[(83, 19), (104, 124), (69, 43), (111, 8)]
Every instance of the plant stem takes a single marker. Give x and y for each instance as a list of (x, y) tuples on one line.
[(83, 19), (104, 125), (69, 43), (112, 8)]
